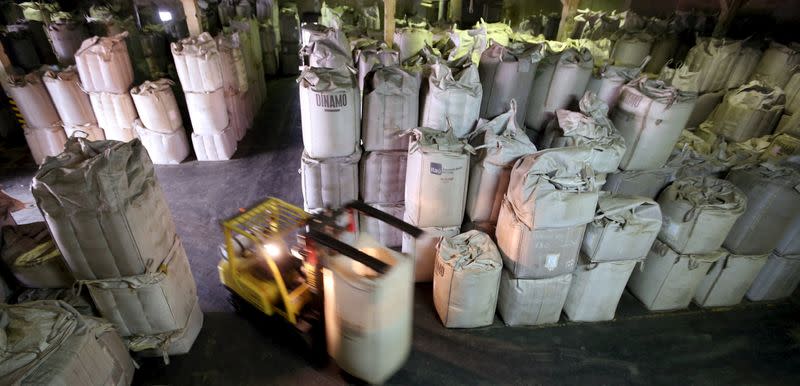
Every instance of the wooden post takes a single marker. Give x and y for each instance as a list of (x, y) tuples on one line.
[(728, 10), (568, 12), (455, 10), (192, 17), (5, 65), (389, 8)]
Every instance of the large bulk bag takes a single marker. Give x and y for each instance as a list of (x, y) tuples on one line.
[(198, 63), (698, 213), (289, 23), (589, 129), (452, 100), (650, 116), (326, 53), (466, 280), (32, 100), (607, 82), (48, 342), (219, 146), (169, 343), (790, 243), (369, 57), (329, 182), (746, 60), (313, 32), (536, 253), (387, 235), (103, 188), (44, 142), (370, 337), (792, 90), (663, 51), (158, 110), (499, 33), (750, 111), (624, 228), (704, 107), (391, 105), (104, 65), (163, 148), (150, 303), (436, 178), (778, 278), (506, 74), (560, 81), (667, 280), (115, 114), (232, 63), (329, 106), (729, 279), (423, 249), (208, 112), (410, 40), (525, 302), (643, 183), (503, 144), (383, 176), (72, 103), (66, 38), (777, 64), (632, 48), (773, 204), (683, 79), (596, 289), (552, 188), (713, 59), (240, 113), (30, 254)]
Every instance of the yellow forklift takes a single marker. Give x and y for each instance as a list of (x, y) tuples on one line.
[(274, 253)]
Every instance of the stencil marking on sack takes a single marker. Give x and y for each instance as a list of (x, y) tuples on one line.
[(632, 99), (332, 103)]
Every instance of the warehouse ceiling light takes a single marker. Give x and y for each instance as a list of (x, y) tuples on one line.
[(165, 15)]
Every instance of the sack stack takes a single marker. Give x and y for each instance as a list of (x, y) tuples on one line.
[(607, 82), (466, 280), (623, 230), (452, 100), (506, 74), (329, 107), (772, 215), (369, 57), (504, 142), (237, 88), (199, 67), (33, 258), (160, 126), (551, 197), (560, 81), (435, 194), (140, 279), (390, 108), (42, 127), (267, 13), (290, 39), (50, 343), (107, 75), (790, 121), (66, 38), (650, 116), (250, 44), (72, 103), (777, 64), (697, 214), (410, 40)]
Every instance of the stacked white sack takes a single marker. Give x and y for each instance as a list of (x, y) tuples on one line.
[(466, 280), (199, 66), (607, 82), (329, 182), (729, 279), (777, 64), (66, 38), (72, 103), (250, 40), (506, 74), (329, 112), (504, 142), (160, 126), (369, 57), (235, 84), (410, 40), (752, 110), (106, 74), (42, 128), (391, 106), (713, 60), (452, 100)]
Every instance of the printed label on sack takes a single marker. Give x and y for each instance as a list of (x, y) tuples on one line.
[(551, 263), (632, 99), (332, 103), (447, 174), (436, 168)]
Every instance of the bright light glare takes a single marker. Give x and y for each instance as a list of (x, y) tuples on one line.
[(272, 250), (164, 15)]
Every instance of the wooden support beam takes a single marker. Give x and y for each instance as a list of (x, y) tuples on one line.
[(568, 12), (192, 17), (728, 10), (389, 8)]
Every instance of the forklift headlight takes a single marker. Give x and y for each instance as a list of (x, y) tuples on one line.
[(273, 250)]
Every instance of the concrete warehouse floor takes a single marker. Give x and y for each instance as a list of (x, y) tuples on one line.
[(749, 344)]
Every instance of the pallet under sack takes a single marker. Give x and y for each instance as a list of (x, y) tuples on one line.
[(214, 147), (151, 303)]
